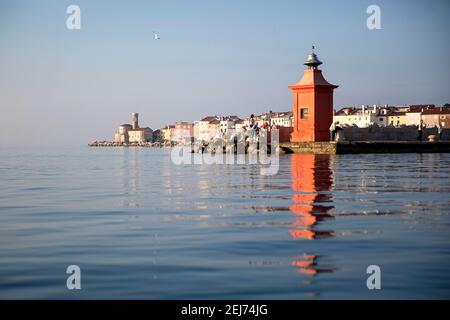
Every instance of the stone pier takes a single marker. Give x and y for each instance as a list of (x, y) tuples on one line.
[(356, 147)]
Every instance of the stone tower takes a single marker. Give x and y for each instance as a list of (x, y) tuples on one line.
[(135, 120)]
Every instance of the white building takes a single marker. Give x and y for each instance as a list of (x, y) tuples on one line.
[(226, 125), (281, 119), (362, 117), (413, 118), (205, 129)]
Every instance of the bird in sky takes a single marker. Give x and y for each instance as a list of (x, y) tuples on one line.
[(155, 36)]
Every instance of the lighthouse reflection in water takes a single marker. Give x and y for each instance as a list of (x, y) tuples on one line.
[(312, 182)]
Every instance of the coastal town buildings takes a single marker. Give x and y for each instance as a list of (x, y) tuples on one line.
[(362, 117), (393, 116), (167, 132), (157, 136), (436, 117), (239, 125), (122, 135), (211, 126), (183, 132), (228, 123), (140, 135), (272, 119), (396, 118), (413, 117), (281, 119), (129, 133), (206, 128)]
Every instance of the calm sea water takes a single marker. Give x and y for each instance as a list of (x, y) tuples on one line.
[(141, 227)]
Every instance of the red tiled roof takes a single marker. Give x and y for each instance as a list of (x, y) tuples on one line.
[(419, 107), (183, 123), (234, 118), (437, 111), (350, 111), (209, 118), (140, 129)]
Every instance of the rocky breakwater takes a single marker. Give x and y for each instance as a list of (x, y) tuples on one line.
[(130, 144)]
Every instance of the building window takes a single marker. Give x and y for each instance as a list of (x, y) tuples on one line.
[(381, 119), (304, 113)]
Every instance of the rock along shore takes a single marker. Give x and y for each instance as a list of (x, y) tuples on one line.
[(130, 144)]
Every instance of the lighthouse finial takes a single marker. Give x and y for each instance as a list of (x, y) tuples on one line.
[(312, 62)]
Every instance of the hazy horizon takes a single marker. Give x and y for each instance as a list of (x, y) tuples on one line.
[(226, 57)]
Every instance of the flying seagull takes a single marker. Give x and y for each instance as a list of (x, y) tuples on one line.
[(155, 36)]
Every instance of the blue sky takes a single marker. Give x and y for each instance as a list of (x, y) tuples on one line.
[(214, 57)]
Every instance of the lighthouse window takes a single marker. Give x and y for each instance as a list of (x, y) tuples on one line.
[(304, 113)]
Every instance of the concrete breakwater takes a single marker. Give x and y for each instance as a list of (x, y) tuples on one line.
[(403, 133), (356, 147)]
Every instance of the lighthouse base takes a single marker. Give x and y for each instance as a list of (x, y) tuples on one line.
[(309, 147), (310, 136)]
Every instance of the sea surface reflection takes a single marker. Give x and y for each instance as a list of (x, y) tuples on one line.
[(312, 183), (141, 227)]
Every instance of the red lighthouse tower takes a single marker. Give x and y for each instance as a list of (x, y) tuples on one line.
[(313, 104)]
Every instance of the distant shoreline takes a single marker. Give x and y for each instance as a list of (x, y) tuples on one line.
[(131, 144)]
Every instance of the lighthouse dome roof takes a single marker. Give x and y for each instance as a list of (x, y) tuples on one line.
[(312, 60)]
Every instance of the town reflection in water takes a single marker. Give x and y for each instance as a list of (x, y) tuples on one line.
[(129, 173), (312, 200)]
